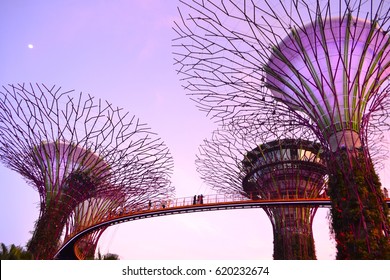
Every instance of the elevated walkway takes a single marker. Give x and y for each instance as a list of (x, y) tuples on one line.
[(181, 206)]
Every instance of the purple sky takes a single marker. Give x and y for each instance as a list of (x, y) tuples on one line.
[(121, 51)]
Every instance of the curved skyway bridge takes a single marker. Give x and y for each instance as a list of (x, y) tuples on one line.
[(185, 205)]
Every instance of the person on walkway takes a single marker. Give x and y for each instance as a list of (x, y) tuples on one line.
[(194, 202)]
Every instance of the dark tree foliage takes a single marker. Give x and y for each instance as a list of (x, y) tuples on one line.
[(13, 252)]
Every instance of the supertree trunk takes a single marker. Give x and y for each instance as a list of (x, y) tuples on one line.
[(46, 237), (293, 235), (359, 212)]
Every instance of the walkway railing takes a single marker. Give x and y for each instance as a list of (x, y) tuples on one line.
[(191, 200), (204, 200)]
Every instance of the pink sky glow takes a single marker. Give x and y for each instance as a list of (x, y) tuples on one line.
[(122, 51)]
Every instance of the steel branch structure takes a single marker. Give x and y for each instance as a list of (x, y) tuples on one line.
[(265, 163), (327, 63), (85, 158)]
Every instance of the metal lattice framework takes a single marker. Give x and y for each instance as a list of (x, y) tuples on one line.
[(230, 53), (85, 158), (265, 163), (325, 63)]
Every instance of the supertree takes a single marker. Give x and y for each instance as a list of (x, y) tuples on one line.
[(328, 64), (264, 163), (98, 208), (90, 212), (74, 149)]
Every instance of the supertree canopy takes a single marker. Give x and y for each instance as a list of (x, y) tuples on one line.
[(85, 158), (279, 163), (327, 63), (331, 69)]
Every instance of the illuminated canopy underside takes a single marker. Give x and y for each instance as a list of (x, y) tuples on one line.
[(58, 159), (330, 70)]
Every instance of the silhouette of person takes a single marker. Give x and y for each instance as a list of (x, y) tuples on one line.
[(201, 199), (194, 200)]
